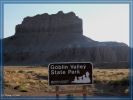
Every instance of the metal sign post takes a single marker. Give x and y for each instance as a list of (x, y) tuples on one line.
[(84, 90), (57, 91)]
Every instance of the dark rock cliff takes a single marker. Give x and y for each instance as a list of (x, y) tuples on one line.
[(42, 39)]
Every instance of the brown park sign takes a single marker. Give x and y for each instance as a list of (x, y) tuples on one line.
[(70, 73)]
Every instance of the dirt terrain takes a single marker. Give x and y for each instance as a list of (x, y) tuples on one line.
[(33, 81)]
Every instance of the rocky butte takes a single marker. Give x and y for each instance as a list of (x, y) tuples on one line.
[(45, 38)]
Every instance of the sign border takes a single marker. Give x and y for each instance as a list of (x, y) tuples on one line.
[(71, 84)]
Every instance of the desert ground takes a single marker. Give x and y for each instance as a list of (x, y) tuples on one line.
[(33, 81)]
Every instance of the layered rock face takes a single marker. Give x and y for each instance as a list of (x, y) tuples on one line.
[(59, 22), (43, 39)]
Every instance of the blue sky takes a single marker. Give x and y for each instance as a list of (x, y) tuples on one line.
[(101, 22)]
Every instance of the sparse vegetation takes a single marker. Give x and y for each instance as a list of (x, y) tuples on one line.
[(124, 81), (34, 81), (30, 71), (21, 71), (22, 88)]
